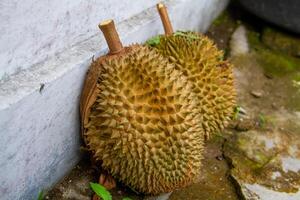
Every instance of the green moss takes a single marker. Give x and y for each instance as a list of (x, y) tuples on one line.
[(254, 40), (276, 63), (279, 41), (246, 165), (242, 142), (224, 17), (296, 77)]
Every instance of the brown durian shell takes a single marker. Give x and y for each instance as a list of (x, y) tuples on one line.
[(90, 90)]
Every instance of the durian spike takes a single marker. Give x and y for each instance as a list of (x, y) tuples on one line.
[(162, 10), (111, 36)]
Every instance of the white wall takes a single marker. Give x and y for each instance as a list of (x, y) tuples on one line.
[(33, 30), (39, 130)]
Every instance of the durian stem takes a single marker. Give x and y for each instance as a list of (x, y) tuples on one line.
[(111, 36), (162, 10)]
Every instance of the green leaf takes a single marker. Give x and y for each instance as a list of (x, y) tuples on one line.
[(41, 195), (126, 198), (153, 41), (101, 191), (262, 120), (237, 110)]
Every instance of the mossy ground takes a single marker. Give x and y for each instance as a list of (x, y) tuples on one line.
[(213, 182), (256, 154), (286, 43), (274, 61)]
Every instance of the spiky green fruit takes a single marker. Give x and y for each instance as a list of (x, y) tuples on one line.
[(202, 63), (144, 125)]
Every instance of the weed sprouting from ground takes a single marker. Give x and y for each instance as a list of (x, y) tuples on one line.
[(102, 192)]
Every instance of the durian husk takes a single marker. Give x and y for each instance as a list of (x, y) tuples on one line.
[(202, 63), (90, 90), (143, 124)]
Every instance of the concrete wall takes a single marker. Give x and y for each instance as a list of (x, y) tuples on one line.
[(31, 31), (50, 44)]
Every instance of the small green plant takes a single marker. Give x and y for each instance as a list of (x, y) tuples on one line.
[(223, 18), (237, 110), (262, 120), (153, 41), (102, 192), (41, 195)]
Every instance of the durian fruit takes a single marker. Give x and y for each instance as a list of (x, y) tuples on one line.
[(202, 63), (142, 121), (144, 125), (199, 59)]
